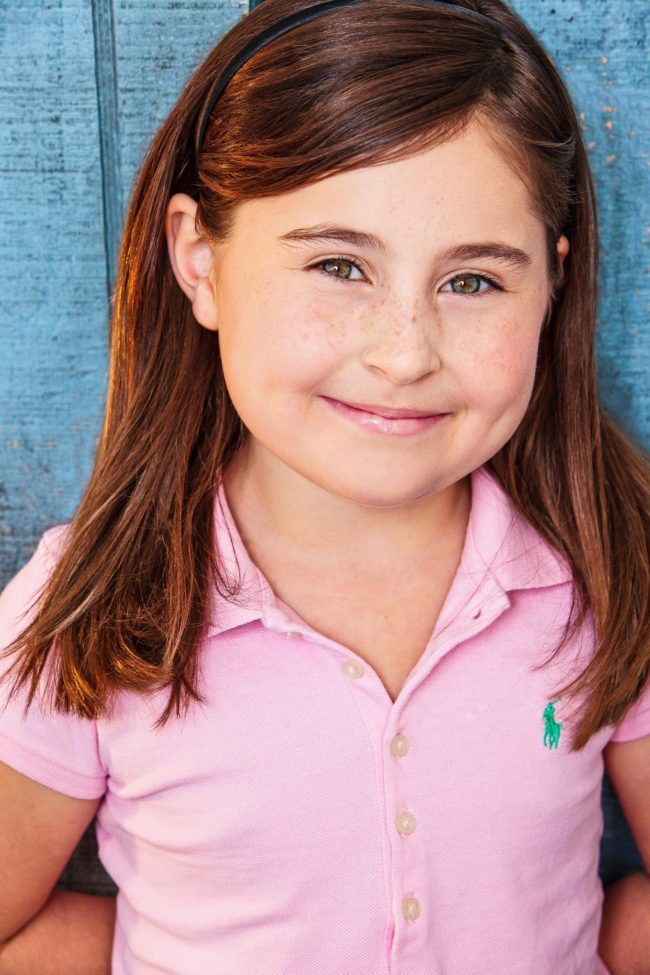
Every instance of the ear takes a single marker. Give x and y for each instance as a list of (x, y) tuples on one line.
[(191, 258), (563, 248)]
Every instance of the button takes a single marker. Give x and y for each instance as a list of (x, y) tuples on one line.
[(411, 908), (399, 745), (476, 614), (352, 668), (405, 823)]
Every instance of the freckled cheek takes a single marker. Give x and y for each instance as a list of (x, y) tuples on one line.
[(282, 353), (315, 339), (499, 362)]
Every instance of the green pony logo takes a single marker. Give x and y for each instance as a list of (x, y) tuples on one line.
[(552, 728)]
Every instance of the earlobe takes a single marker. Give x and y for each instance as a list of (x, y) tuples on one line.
[(563, 248), (191, 258)]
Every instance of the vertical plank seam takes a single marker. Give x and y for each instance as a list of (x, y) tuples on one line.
[(109, 132)]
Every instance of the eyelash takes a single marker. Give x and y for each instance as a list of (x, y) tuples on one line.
[(493, 286)]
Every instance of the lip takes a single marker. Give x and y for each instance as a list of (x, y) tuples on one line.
[(401, 423), (383, 410)]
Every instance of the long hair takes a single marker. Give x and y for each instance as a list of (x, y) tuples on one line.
[(126, 604)]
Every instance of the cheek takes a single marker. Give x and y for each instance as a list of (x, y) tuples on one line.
[(271, 344), (500, 359)]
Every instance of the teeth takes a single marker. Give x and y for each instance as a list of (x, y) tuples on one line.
[(380, 422)]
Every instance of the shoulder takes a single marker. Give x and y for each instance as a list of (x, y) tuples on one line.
[(58, 750), (636, 723), (52, 541), (19, 597)]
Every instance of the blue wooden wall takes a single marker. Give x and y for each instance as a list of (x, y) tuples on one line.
[(84, 85)]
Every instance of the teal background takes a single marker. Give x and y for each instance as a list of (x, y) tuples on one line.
[(83, 88)]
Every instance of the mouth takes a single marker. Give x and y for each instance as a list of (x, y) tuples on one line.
[(387, 420), (386, 411)]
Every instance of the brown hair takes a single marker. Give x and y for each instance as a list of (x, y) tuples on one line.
[(126, 604)]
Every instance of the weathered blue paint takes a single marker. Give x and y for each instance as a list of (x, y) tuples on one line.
[(85, 84), (52, 268), (106, 84), (64, 181), (602, 52)]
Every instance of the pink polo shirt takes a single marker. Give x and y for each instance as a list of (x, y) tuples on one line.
[(301, 823)]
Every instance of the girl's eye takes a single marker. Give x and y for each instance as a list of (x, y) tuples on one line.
[(470, 284), (338, 267)]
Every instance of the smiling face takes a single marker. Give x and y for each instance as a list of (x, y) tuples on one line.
[(437, 309)]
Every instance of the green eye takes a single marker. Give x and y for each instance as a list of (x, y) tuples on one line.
[(339, 267), (470, 284), (466, 284)]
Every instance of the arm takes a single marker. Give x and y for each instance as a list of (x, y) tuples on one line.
[(624, 943), (71, 935), (52, 932)]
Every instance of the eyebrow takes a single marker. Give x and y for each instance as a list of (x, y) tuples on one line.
[(504, 253)]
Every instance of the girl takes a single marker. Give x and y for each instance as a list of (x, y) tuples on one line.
[(354, 607)]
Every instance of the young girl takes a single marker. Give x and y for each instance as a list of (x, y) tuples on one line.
[(355, 606)]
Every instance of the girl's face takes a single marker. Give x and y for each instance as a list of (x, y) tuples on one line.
[(418, 285)]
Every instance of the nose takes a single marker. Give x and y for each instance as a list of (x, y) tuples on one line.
[(403, 341)]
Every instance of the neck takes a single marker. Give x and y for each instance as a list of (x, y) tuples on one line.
[(320, 529)]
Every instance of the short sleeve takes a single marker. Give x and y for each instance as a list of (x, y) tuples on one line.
[(636, 723), (58, 750)]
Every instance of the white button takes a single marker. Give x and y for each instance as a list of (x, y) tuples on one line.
[(411, 908), (352, 668), (405, 823), (399, 745)]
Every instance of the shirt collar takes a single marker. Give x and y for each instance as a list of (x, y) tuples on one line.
[(500, 547), (504, 543), (225, 613)]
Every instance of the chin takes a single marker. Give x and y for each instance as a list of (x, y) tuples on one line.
[(385, 492)]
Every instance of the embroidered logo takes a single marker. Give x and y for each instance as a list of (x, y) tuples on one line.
[(551, 727)]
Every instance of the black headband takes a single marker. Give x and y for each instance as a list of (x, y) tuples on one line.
[(295, 20)]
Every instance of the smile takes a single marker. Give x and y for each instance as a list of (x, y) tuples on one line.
[(401, 426)]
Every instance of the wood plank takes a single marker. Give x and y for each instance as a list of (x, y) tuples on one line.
[(159, 44), (52, 270), (604, 61)]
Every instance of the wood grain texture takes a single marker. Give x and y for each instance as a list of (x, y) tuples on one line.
[(601, 49), (52, 269), (63, 179), (159, 43), (106, 84)]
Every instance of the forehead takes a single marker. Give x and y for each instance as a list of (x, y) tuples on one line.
[(466, 187)]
